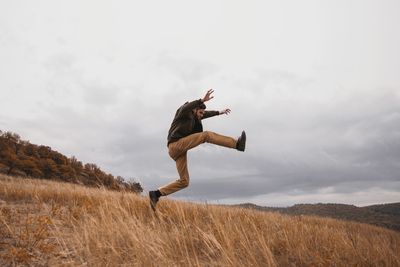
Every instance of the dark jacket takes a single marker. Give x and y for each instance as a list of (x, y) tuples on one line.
[(185, 122)]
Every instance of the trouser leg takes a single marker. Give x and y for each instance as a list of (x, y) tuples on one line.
[(184, 144), (182, 182)]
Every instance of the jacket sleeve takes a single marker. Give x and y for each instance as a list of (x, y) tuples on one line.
[(210, 113)]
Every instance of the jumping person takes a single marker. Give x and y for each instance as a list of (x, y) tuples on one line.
[(186, 132)]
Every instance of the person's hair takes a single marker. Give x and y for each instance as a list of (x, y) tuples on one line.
[(202, 106)]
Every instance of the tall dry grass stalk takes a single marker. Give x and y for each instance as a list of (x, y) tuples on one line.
[(78, 226)]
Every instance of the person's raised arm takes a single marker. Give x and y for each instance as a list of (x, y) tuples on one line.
[(196, 103), (210, 113), (208, 96)]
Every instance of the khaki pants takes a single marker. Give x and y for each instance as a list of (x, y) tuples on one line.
[(178, 152)]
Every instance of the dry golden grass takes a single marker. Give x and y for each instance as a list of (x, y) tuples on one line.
[(45, 223)]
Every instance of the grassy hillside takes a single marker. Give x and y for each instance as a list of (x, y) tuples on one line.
[(45, 223), (384, 215), (21, 158)]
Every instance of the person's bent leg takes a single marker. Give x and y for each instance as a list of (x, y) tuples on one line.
[(182, 182)]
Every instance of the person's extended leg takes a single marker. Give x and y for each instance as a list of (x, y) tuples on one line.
[(184, 144), (182, 182)]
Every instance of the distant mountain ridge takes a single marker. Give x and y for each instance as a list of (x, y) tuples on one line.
[(383, 215)]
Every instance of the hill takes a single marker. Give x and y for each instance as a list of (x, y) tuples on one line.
[(384, 215), (48, 223), (20, 157)]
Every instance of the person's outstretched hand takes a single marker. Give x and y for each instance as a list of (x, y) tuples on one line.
[(225, 111), (208, 96)]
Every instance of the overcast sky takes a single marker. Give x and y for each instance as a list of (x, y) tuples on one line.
[(315, 84)]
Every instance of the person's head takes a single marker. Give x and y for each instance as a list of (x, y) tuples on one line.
[(199, 111)]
